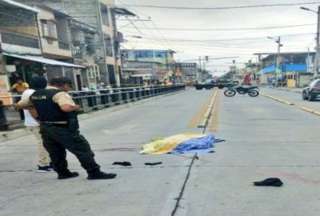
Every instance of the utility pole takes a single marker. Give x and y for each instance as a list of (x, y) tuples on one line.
[(277, 58), (200, 69), (316, 61), (278, 69)]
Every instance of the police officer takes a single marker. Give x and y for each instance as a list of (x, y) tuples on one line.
[(60, 129)]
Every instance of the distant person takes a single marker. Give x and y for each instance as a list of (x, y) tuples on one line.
[(85, 88), (20, 86), (247, 79), (60, 129), (258, 81), (32, 125)]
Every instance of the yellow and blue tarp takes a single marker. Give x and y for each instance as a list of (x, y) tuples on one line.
[(180, 144)]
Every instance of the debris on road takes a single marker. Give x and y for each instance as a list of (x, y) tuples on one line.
[(270, 182), (124, 163), (181, 144), (153, 164)]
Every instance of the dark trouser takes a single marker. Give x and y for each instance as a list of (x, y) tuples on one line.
[(21, 113), (58, 139)]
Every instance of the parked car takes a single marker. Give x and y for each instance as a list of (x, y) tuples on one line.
[(311, 92), (220, 83)]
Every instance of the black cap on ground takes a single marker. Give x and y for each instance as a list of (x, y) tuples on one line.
[(273, 182)]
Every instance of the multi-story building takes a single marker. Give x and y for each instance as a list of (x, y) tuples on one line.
[(164, 59), (84, 53), (18, 36), (188, 72), (34, 40), (140, 72), (55, 35), (295, 68), (102, 15)]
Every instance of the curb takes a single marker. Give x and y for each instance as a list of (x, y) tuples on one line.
[(278, 99), (306, 109), (303, 108)]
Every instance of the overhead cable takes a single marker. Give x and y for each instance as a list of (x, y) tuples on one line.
[(228, 39), (222, 7), (231, 29)]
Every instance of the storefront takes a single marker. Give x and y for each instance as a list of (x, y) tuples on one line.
[(13, 66)]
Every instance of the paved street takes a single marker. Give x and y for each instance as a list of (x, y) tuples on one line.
[(293, 97), (264, 138)]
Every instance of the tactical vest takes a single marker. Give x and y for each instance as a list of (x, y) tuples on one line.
[(48, 110)]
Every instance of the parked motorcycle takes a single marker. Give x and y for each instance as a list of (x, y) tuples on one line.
[(252, 91)]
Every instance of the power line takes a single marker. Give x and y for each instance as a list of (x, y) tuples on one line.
[(163, 41), (229, 39), (222, 7), (155, 27), (232, 29)]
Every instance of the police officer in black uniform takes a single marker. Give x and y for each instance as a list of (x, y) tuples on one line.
[(57, 114)]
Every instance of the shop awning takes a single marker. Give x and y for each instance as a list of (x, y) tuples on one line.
[(19, 5), (123, 11), (43, 60)]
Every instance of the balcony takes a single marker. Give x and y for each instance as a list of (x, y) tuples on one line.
[(77, 53), (20, 39), (64, 45)]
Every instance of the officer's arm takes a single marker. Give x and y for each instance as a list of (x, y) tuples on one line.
[(65, 102), (25, 103), (69, 108)]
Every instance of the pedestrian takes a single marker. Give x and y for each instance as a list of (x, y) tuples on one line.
[(19, 87), (85, 88), (247, 79), (32, 125), (59, 128)]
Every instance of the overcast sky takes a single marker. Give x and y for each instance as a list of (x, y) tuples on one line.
[(220, 43)]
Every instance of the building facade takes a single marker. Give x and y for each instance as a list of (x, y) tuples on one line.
[(160, 62), (102, 15), (19, 34), (33, 40), (295, 68), (188, 72)]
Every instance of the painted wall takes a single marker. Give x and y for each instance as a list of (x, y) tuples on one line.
[(50, 46)]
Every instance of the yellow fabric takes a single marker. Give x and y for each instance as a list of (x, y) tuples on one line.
[(166, 145)]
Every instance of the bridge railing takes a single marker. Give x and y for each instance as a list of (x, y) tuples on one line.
[(88, 100)]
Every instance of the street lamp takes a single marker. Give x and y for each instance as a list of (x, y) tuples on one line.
[(277, 60), (316, 59)]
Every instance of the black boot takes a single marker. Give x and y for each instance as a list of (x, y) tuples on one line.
[(67, 175), (97, 174)]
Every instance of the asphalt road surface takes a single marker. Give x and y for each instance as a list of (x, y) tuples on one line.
[(264, 138)]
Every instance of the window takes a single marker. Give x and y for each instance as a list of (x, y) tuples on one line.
[(161, 54), (49, 29), (109, 46), (89, 41), (105, 15), (144, 54)]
